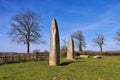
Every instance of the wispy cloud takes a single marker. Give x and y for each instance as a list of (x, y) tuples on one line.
[(0, 35), (106, 18), (4, 3), (111, 45)]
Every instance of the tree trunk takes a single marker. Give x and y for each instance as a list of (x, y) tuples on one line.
[(28, 41), (28, 48), (80, 49), (101, 50)]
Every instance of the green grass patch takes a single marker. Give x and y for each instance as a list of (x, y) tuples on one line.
[(107, 68)]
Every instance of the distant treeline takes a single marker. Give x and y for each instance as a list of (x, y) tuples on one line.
[(92, 53), (77, 53)]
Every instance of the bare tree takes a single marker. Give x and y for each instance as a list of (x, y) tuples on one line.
[(65, 45), (64, 48), (25, 28), (117, 37), (79, 39), (99, 41)]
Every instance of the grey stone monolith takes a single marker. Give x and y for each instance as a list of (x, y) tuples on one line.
[(54, 56), (70, 50)]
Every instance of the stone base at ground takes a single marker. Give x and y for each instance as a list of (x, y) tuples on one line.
[(70, 59), (84, 56)]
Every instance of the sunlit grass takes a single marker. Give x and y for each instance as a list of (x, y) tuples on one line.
[(107, 68)]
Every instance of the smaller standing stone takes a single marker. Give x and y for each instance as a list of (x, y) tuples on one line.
[(70, 50)]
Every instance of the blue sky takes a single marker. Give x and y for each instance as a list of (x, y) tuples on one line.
[(89, 16)]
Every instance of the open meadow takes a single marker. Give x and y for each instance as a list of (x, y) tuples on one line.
[(107, 68)]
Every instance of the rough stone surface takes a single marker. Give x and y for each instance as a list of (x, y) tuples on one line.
[(54, 56), (84, 56), (97, 57), (70, 50)]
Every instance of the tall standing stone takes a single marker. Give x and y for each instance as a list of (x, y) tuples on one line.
[(54, 56), (70, 51)]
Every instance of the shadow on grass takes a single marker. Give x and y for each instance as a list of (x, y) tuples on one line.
[(65, 63), (2, 64), (77, 58), (12, 62)]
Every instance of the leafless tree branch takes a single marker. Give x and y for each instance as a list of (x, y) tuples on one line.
[(25, 28)]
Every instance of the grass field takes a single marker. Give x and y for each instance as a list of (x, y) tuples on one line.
[(107, 68)]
